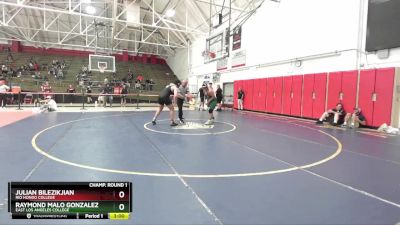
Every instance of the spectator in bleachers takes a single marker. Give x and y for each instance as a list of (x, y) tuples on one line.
[(84, 69), (10, 58), (139, 78), (70, 97), (12, 72), (60, 74), (129, 76), (106, 81), (46, 89), (4, 69), (36, 66), (138, 85), (3, 90), (31, 65)]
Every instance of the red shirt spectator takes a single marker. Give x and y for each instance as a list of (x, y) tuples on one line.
[(36, 67), (139, 78), (46, 88)]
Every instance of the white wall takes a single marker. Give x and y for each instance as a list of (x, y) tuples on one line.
[(281, 32), (180, 63)]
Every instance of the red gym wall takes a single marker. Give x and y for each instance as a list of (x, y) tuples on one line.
[(310, 95), (16, 46)]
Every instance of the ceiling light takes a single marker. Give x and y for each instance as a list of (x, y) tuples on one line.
[(90, 9), (170, 13)]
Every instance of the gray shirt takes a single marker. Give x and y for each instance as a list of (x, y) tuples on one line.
[(182, 91)]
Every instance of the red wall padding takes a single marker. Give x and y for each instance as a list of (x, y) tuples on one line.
[(384, 82), (308, 90), (297, 91), (287, 95), (307, 96)]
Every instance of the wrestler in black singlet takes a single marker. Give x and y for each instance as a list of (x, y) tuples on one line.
[(164, 97)]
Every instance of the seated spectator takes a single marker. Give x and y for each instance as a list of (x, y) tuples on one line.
[(48, 104), (46, 89), (355, 119), (139, 78), (151, 84), (106, 80), (10, 58), (129, 76), (137, 85), (84, 69), (36, 66), (37, 76), (333, 116), (4, 69), (31, 67), (12, 73), (60, 74)]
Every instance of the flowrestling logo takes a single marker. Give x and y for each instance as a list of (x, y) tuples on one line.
[(193, 126)]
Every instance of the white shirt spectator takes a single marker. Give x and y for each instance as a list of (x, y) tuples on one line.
[(52, 105), (4, 88)]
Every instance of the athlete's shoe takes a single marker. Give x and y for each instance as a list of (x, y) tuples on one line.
[(173, 124), (182, 121), (153, 122), (319, 122), (209, 122)]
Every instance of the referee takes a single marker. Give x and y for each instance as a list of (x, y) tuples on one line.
[(182, 91)]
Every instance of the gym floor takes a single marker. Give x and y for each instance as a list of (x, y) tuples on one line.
[(248, 168)]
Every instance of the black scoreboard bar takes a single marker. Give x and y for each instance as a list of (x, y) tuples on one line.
[(65, 200)]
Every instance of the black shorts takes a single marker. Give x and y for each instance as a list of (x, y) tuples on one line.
[(219, 99), (331, 118), (164, 101), (201, 99)]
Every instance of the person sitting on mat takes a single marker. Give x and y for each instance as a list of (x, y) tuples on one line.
[(164, 99), (355, 119), (211, 103), (48, 104), (333, 116)]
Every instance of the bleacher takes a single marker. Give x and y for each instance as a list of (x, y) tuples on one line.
[(157, 72)]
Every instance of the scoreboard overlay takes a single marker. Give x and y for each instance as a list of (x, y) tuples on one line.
[(70, 200)]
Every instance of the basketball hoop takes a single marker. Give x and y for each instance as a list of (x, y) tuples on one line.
[(212, 55), (207, 55), (102, 69)]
